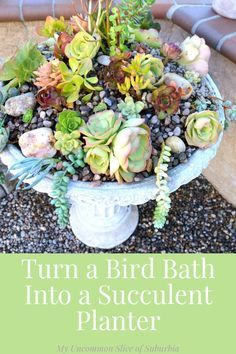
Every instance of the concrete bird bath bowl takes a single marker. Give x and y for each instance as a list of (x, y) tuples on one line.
[(107, 215)]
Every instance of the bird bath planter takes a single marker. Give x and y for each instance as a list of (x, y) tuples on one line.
[(107, 215)]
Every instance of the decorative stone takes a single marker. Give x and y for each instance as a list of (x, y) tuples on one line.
[(226, 8), (180, 82), (104, 60), (38, 143), (18, 105), (177, 131), (176, 144)]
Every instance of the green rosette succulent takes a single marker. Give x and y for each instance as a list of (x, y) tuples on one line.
[(4, 136), (98, 158), (83, 46), (101, 128), (203, 129), (131, 109), (131, 150), (68, 143), (69, 121)]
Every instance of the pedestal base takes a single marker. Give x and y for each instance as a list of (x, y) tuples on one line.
[(103, 227)]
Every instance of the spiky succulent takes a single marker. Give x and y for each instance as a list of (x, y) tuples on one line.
[(68, 143), (131, 150), (147, 67), (48, 75), (68, 121), (32, 169), (203, 129), (4, 136), (166, 100), (101, 128), (131, 109)]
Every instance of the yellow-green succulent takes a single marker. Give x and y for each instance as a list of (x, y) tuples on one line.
[(83, 46), (68, 143), (98, 158), (203, 129)]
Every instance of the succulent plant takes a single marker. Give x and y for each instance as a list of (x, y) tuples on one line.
[(171, 51), (101, 128), (75, 78), (68, 143), (83, 46), (98, 159), (50, 98), (131, 109), (33, 169), (182, 85), (79, 22), (59, 48), (166, 100), (28, 115), (68, 121), (48, 75), (20, 69), (147, 67), (4, 136), (195, 54), (54, 25), (148, 36), (163, 201), (203, 129), (193, 77), (77, 159), (131, 150), (114, 74)]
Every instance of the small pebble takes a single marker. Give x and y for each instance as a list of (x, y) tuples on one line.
[(108, 101), (42, 114), (177, 131), (49, 112), (186, 112), (47, 123), (167, 120), (24, 88)]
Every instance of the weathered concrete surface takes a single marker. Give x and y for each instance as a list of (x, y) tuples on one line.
[(14, 34), (222, 170)]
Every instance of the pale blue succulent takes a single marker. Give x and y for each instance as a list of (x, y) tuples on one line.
[(131, 109)]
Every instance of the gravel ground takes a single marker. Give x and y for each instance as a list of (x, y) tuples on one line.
[(200, 221)]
